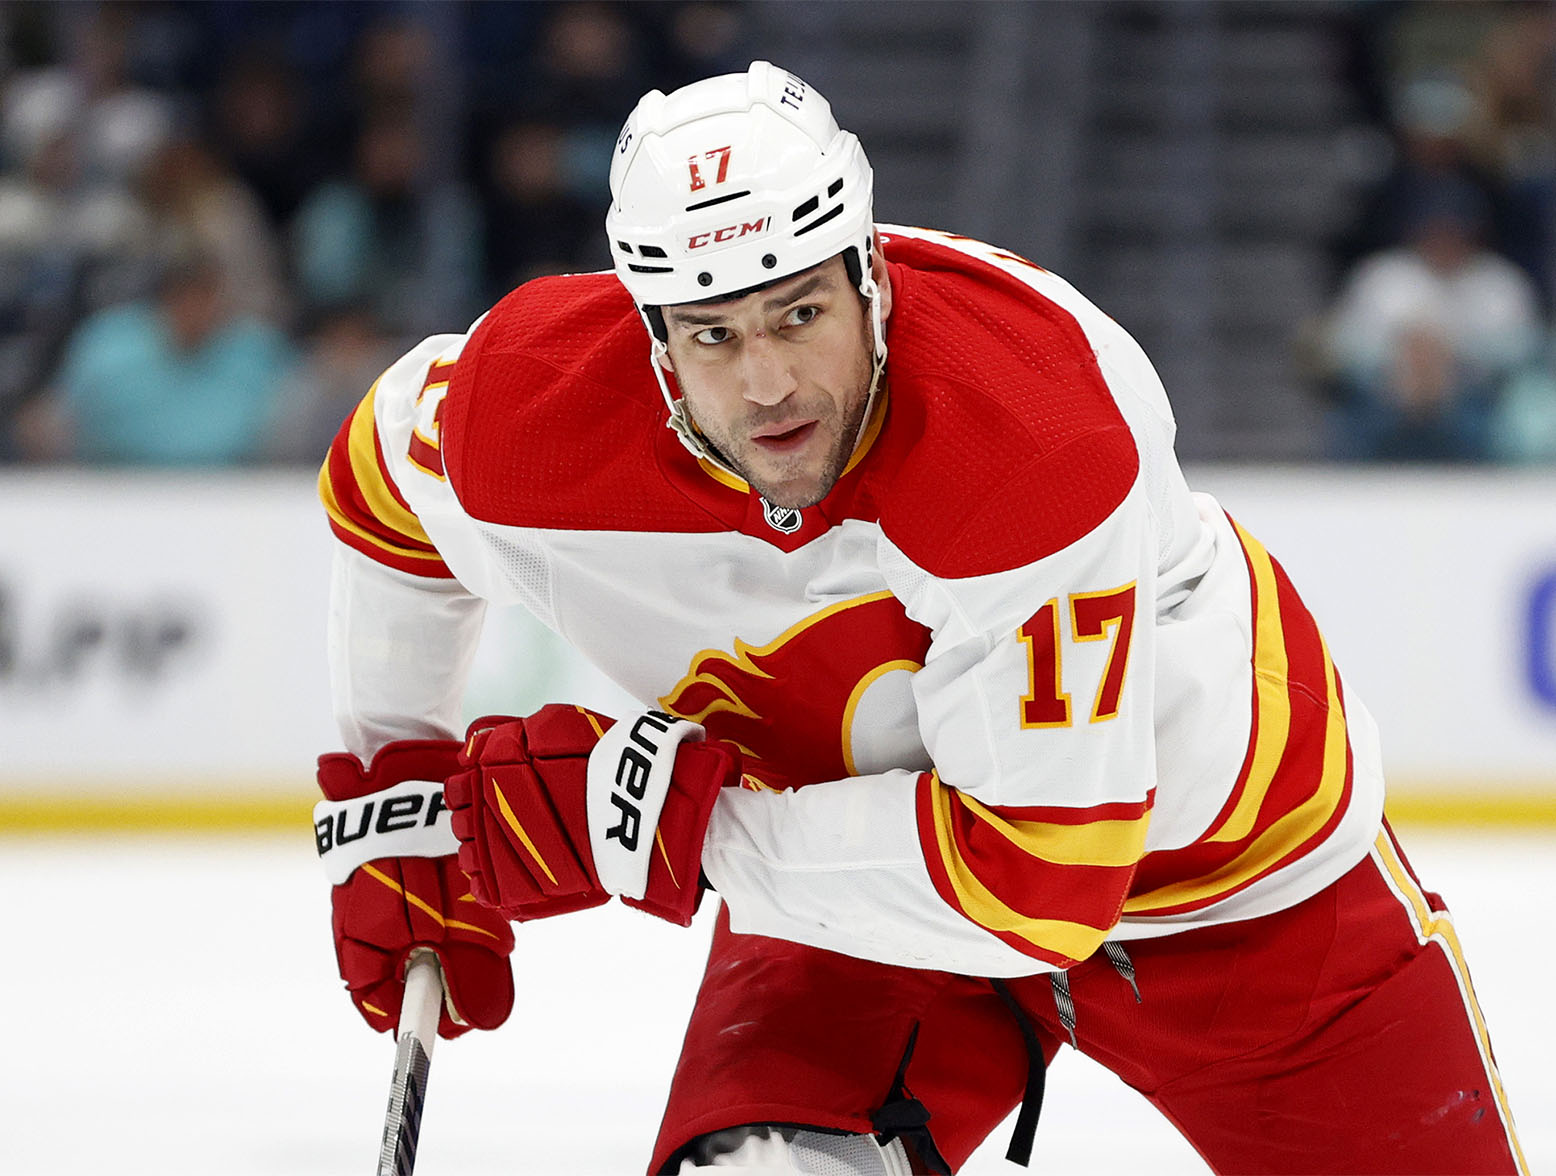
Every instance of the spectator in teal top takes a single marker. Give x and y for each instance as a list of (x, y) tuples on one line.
[(176, 379)]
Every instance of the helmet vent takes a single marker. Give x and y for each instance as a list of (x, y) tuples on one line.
[(651, 269), (835, 210), (623, 246), (717, 200), (651, 251), (835, 186), (807, 208)]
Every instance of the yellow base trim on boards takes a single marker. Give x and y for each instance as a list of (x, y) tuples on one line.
[(1491, 809), (144, 813), (94, 810)]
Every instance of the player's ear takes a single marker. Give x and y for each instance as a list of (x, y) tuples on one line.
[(882, 277), (662, 357)]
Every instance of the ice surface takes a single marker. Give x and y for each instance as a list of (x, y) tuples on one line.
[(171, 1007)]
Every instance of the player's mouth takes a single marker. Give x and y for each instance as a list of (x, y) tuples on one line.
[(785, 436)]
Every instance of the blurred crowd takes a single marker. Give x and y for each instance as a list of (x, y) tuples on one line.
[(219, 221), (1438, 345)]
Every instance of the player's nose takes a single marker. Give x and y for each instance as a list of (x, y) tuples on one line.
[(768, 377)]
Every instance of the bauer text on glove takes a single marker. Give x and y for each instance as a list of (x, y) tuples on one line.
[(383, 835)]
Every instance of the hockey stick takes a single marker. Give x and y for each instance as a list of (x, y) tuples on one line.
[(412, 1062)]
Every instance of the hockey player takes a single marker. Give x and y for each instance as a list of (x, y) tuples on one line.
[(989, 734)]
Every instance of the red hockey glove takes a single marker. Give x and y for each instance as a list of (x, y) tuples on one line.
[(561, 810), (386, 845)]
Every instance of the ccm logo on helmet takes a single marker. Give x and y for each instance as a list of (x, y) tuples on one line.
[(728, 233)]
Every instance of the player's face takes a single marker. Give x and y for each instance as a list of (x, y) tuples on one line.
[(778, 380)]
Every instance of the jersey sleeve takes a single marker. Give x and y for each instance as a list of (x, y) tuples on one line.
[(359, 483), (400, 650), (403, 627), (1035, 704), (1016, 852)]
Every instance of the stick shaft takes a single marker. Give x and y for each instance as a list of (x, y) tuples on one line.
[(418, 1033)]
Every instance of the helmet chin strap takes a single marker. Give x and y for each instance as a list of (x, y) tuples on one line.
[(680, 420), (690, 435), (871, 291)]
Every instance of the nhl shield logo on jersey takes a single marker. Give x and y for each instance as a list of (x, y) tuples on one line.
[(785, 519)]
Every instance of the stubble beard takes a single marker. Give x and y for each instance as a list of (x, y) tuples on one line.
[(797, 493)]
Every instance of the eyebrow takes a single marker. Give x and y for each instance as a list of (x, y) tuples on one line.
[(695, 318)]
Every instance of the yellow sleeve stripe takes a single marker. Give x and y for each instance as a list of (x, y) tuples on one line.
[(1272, 713), (363, 448), (421, 904), (1061, 937), (344, 521), (1285, 834), (1095, 843), (513, 823)]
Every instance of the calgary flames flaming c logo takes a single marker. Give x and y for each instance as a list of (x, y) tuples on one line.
[(789, 705)]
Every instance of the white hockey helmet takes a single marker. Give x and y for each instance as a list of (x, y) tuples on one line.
[(732, 183)]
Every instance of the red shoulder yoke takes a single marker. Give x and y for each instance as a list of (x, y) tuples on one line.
[(553, 418), (1006, 441)]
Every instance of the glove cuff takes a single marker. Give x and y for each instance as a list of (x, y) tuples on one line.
[(403, 820), (394, 808), (341, 775), (675, 882)]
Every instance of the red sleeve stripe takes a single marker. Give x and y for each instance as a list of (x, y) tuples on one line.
[(1058, 815), (1295, 782), (1050, 889), (366, 509)]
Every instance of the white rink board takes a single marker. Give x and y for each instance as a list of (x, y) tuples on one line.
[(1436, 591), (162, 627), (163, 630)]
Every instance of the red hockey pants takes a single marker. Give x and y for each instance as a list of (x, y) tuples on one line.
[(1338, 1036)]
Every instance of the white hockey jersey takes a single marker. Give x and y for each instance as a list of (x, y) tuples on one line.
[(1009, 690)]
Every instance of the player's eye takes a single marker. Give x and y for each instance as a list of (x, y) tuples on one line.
[(712, 336), (801, 315)]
